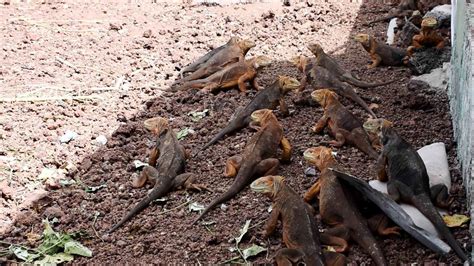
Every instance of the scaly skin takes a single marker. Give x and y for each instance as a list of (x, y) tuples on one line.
[(331, 64), (300, 231), (404, 9), (166, 166), (337, 208), (381, 53), (428, 36), (234, 51), (343, 125), (319, 78), (232, 75), (408, 180), (268, 98), (259, 157)]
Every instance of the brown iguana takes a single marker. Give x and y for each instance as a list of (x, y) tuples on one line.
[(259, 157), (408, 181), (337, 207), (321, 78), (404, 9), (231, 75), (331, 64), (233, 51), (300, 231), (268, 98), (428, 36), (343, 125), (166, 166), (381, 53)]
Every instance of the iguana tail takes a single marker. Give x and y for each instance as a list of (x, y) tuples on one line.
[(156, 193), (233, 190), (366, 240), (423, 203), (363, 84), (348, 92)]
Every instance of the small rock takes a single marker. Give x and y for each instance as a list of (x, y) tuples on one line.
[(147, 34), (224, 207), (100, 140), (286, 3), (310, 171), (121, 243), (68, 136), (113, 26), (53, 212), (5, 190)]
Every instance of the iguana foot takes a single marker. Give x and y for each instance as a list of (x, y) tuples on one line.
[(334, 259)]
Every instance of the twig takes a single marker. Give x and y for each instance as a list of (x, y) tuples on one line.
[(69, 64), (45, 99), (257, 224), (177, 207), (93, 226), (229, 260)]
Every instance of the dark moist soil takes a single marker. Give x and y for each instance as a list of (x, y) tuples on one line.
[(162, 232)]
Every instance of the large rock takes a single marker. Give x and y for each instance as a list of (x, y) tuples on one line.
[(437, 79)]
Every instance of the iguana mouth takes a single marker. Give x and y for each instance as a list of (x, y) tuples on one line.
[(258, 186), (308, 155)]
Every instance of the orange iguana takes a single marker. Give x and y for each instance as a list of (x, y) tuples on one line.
[(381, 53)]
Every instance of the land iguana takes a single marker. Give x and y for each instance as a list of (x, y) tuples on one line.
[(331, 64), (268, 98), (408, 180), (166, 166), (231, 75), (343, 125), (319, 77), (404, 9), (300, 231), (428, 37), (259, 157), (337, 207), (234, 51), (439, 192), (381, 53)]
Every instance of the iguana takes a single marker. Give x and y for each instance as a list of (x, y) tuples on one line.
[(408, 181), (428, 36), (343, 125), (268, 98), (300, 231), (233, 51), (319, 78), (326, 61), (337, 207), (404, 9), (381, 53), (259, 157), (166, 166), (439, 192), (233, 74)]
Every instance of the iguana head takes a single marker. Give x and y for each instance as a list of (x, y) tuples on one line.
[(288, 83), (362, 38), (246, 44), (267, 185), (323, 96), (299, 61), (375, 126), (320, 156), (316, 49), (429, 22), (262, 115), (156, 125), (261, 61), (233, 40)]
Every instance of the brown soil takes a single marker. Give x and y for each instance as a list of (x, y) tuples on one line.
[(85, 35)]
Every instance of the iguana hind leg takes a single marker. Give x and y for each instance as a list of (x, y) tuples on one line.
[(334, 258), (267, 167), (289, 256), (232, 166), (336, 237), (149, 174), (286, 147), (313, 191), (379, 224), (376, 60), (440, 196), (187, 180)]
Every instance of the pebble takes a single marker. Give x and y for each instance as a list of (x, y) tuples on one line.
[(68, 136), (101, 140)]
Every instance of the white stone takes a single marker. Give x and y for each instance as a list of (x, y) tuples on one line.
[(68, 136), (391, 31), (437, 78), (101, 140)]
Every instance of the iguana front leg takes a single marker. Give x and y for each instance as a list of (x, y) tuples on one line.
[(286, 147), (284, 108), (255, 84), (232, 166), (187, 180), (244, 78), (211, 87), (154, 154), (340, 140), (148, 174), (380, 168), (266, 167), (289, 256), (272, 222), (379, 224), (440, 196), (376, 60), (321, 124), (313, 191)]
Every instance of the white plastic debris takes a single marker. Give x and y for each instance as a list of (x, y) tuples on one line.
[(391, 31)]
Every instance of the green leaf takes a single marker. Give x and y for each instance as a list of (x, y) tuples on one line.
[(182, 133), (23, 253), (252, 251), (196, 207), (54, 259), (196, 116), (95, 189), (74, 247), (243, 231)]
